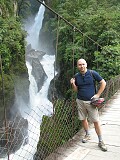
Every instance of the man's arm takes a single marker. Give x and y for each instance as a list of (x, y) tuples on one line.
[(101, 89), (72, 81)]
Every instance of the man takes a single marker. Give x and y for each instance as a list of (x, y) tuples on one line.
[(83, 84)]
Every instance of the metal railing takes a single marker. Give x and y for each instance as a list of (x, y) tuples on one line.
[(64, 124), (55, 130)]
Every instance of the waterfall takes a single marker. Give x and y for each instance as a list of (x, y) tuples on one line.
[(34, 29), (39, 104)]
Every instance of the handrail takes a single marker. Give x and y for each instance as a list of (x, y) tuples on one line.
[(74, 27)]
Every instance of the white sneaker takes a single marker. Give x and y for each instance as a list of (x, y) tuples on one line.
[(102, 146), (86, 138)]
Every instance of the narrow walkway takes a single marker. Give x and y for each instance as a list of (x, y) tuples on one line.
[(110, 123)]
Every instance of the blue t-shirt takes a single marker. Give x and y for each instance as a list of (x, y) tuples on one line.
[(85, 84)]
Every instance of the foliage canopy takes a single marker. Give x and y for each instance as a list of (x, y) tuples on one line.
[(98, 42)]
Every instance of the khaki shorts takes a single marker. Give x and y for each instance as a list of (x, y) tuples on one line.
[(86, 110)]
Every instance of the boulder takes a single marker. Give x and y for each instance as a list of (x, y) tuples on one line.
[(32, 53), (38, 73), (12, 135)]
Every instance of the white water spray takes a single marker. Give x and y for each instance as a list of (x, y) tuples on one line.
[(39, 104), (34, 29)]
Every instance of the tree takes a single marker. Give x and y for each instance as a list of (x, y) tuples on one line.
[(6, 8), (98, 41), (23, 8), (12, 42)]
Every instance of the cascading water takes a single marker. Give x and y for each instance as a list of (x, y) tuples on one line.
[(38, 100), (33, 31)]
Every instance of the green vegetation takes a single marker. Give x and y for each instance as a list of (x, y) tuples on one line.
[(12, 36), (12, 51), (12, 42), (57, 130), (97, 20)]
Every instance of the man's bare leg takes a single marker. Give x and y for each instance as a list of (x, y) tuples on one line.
[(86, 128)]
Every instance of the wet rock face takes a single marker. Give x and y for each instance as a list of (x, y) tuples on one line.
[(13, 135), (34, 57), (32, 53), (38, 73), (53, 91)]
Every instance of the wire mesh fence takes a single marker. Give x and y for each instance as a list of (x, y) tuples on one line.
[(44, 131), (40, 135)]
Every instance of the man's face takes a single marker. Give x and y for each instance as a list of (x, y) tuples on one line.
[(82, 65)]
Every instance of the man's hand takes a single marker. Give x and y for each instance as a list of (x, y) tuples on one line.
[(72, 81), (101, 89), (95, 96)]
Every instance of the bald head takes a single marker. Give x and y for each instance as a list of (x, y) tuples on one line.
[(82, 60), (82, 65)]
